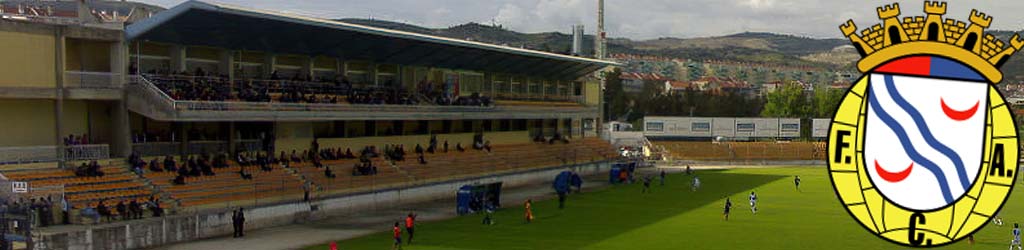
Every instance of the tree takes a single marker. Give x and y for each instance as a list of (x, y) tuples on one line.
[(787, 101), (826, 100), (614, 95)]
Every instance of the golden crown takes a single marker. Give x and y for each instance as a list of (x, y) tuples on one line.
[(932, 35)]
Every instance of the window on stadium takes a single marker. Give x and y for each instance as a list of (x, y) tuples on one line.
[(790, 127), (518, 85), (550, 88), (655, 126), (387, 75), (534, 87), (577, 88), (357, 73), (700, 126), (501, 84), (470, 83), (745, 127)]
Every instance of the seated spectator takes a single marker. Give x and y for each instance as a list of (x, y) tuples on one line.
[(446, 146), (205, 167), (154, 165), (419, 149), (91, 213), (478, 145), (282, 157), (244, 174), (487, 146), (295, 157), (348, 154), (328, 173), (82, 171), (458, 147), (423, 160), (539, 138), (170, 164), (103, 210), (135, 210), (122, 210), (154, 206), (179, 180), (137, 170), (220, 161)]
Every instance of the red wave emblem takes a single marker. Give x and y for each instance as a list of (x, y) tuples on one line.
[(893, 176), (957, 115)]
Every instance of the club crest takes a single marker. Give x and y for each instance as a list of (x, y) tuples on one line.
[(923, 148)]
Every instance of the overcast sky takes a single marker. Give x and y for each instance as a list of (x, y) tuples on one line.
[(635, 19)]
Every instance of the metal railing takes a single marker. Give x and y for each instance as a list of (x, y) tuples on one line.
[(145, 89), (207, 147), (33, 154), (157, 148), (92, 80), (86, 152), (249, 145)]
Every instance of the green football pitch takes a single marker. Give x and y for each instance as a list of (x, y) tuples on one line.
[(673, 217)]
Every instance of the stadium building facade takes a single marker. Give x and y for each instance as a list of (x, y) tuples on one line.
[(172, 84), (89, 102)]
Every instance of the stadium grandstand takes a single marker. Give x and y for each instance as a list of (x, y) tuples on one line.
[(192, 109), (737, 140)]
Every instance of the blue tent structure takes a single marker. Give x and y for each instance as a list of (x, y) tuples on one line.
[(474, 198), (561, 183)]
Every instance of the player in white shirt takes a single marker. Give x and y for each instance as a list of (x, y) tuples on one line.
[(753, 202), (1016, 237), (695, 184)]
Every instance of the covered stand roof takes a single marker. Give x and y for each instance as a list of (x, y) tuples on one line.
[(217, 25)]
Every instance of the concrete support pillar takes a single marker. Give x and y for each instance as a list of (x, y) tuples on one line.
[(178, 55), (371, 71), (58, 103), (120, 134), (118, 63), (227, 63), (269, 61), (307, 66), (232, 138), (183, 131)]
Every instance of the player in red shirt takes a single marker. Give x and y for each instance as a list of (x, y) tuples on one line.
[(398, 237), (410, 222)]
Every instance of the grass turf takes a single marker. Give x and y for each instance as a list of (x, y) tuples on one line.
[(672, 217)]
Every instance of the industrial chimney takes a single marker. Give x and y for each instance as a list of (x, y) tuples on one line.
[(577, 40)]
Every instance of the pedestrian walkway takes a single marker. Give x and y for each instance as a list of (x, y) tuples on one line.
[(355, 225)]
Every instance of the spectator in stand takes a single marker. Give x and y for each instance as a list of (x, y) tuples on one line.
[(154, 206), (180, 179), (170, 164), (103, 210), (295, 157), (478, 141), (135, 209), (122, 210), (154, 165), (328, 173), (244, 174), (458, 147), (446, 146)]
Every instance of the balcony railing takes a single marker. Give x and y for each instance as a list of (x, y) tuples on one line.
[(92, 80), (153, 101), (156, 148), (31, 154)]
